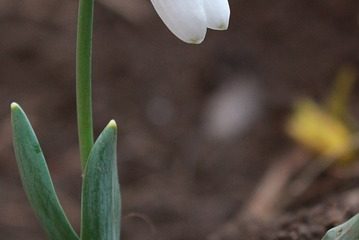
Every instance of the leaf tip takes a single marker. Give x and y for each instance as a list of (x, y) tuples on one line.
[(112, 124), (14, 106)]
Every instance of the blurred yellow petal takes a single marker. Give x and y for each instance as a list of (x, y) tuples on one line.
[(318, 130)]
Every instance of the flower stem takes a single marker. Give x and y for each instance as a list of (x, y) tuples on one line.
[(83, 78)]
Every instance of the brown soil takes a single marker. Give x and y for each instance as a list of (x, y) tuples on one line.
[(176, 183)]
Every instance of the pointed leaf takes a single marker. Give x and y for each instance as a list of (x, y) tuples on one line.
[(36, 178), (100, 192), (346, 231)]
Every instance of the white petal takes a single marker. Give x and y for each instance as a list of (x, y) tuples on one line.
[(185, 18), (218, 13)]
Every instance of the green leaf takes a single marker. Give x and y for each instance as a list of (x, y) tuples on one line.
[(100, 190), (36, 178), (346, 231)]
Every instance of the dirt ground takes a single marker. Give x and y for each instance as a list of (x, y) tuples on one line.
[(182, 178)]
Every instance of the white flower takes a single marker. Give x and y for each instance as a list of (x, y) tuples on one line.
[(189, 19)]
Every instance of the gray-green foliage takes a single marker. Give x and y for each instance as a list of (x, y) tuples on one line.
[(100, 197), (100, 190), (36, 179), (346, 231)]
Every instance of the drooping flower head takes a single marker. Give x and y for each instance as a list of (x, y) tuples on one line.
[(189, 19)]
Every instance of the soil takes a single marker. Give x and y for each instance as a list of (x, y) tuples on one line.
[(177, 182)]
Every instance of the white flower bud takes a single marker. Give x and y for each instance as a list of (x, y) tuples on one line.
[(189, 19), (217, 12)]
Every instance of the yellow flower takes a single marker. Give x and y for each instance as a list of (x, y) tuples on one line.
[(320, 131)]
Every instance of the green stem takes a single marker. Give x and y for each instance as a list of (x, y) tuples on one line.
[(83, 78)]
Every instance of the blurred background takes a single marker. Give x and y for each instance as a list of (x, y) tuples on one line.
[(199, 126)]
